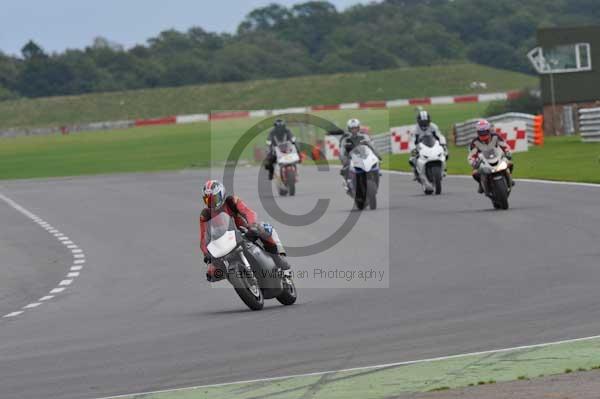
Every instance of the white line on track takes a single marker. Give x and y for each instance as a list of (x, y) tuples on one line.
[(13, 314), (381, 366), (78, 257)]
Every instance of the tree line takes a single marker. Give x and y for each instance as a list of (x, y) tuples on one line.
[(308, 38)]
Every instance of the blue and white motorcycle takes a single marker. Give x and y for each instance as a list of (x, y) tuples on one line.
[(363, 177)]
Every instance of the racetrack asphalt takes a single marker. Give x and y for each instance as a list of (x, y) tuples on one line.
[(461, 278)]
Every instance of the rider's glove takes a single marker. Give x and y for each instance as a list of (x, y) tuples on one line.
[(414, 152), (508, 155), (475, 163), (207, 259), (253, 231), (214, 274), (210, 273)]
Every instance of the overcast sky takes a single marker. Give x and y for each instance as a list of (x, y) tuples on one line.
[(60, 24)]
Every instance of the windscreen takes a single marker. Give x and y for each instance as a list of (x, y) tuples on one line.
[(286, 148), (218, 225), (490, 154), (360, 151), (428, 141)]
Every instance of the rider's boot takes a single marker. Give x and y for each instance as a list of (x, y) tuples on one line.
[(271, 170), (477, 178), (411, 162), (281, 262)]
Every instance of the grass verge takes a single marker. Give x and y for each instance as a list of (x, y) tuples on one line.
[(389, 382), (269, 94), (178, 147)]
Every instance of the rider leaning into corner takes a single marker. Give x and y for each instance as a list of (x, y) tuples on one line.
[(349, 140), (487, 140), (217, 201), (279, 134), (425, 127)]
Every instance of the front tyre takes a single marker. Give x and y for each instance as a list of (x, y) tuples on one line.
[(372, 193), (436, 175), (500, 194), (291, 181), (246, 286), (360, 195)]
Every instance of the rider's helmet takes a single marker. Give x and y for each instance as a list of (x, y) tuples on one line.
[(353, 126), (213, 194), (279, 124), (423, 120), (484, 130)]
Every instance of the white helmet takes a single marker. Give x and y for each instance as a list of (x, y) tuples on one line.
[(353, 126)]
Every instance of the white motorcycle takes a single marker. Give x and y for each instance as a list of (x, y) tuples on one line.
[(430, 164), (246, 265), (363, 177), (496, 178), (286, 168)]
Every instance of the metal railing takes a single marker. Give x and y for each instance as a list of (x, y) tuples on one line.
[(382, 143), (589, 124)]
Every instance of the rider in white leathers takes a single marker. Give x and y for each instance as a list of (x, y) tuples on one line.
[(425, 127)]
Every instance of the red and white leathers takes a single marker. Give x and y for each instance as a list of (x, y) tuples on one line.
[(245, 217), (478, 146)]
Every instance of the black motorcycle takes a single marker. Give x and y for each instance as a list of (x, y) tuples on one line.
[(246, 265)]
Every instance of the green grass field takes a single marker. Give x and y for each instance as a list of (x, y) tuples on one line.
[(264, 94), (178, 147)]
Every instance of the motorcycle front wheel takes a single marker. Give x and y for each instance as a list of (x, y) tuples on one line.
[(291, 181), (372, 193), (360, 195), (247, 288), (500, 194)]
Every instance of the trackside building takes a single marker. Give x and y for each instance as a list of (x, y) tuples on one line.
[(568, 60)]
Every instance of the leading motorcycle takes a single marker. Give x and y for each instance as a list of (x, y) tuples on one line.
[(246, 265), (363, 177)]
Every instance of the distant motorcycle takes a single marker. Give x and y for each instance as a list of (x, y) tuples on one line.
[(496, 179), (430, 164), (286, 168), (363, 177), (247, 266)]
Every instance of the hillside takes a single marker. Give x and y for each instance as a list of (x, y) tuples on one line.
[(261, 94), (307, 38)]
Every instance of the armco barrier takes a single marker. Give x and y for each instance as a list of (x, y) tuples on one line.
[(589, 124), (516, 127), (182, 119), (169, 120), (382, 143)]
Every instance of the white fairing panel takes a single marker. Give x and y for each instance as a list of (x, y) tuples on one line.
[(223, 245), (287, 159), (362, 157)]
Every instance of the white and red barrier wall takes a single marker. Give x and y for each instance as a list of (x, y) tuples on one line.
[(228, 115)]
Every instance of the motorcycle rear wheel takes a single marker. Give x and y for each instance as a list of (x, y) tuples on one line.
[(289, 295)]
